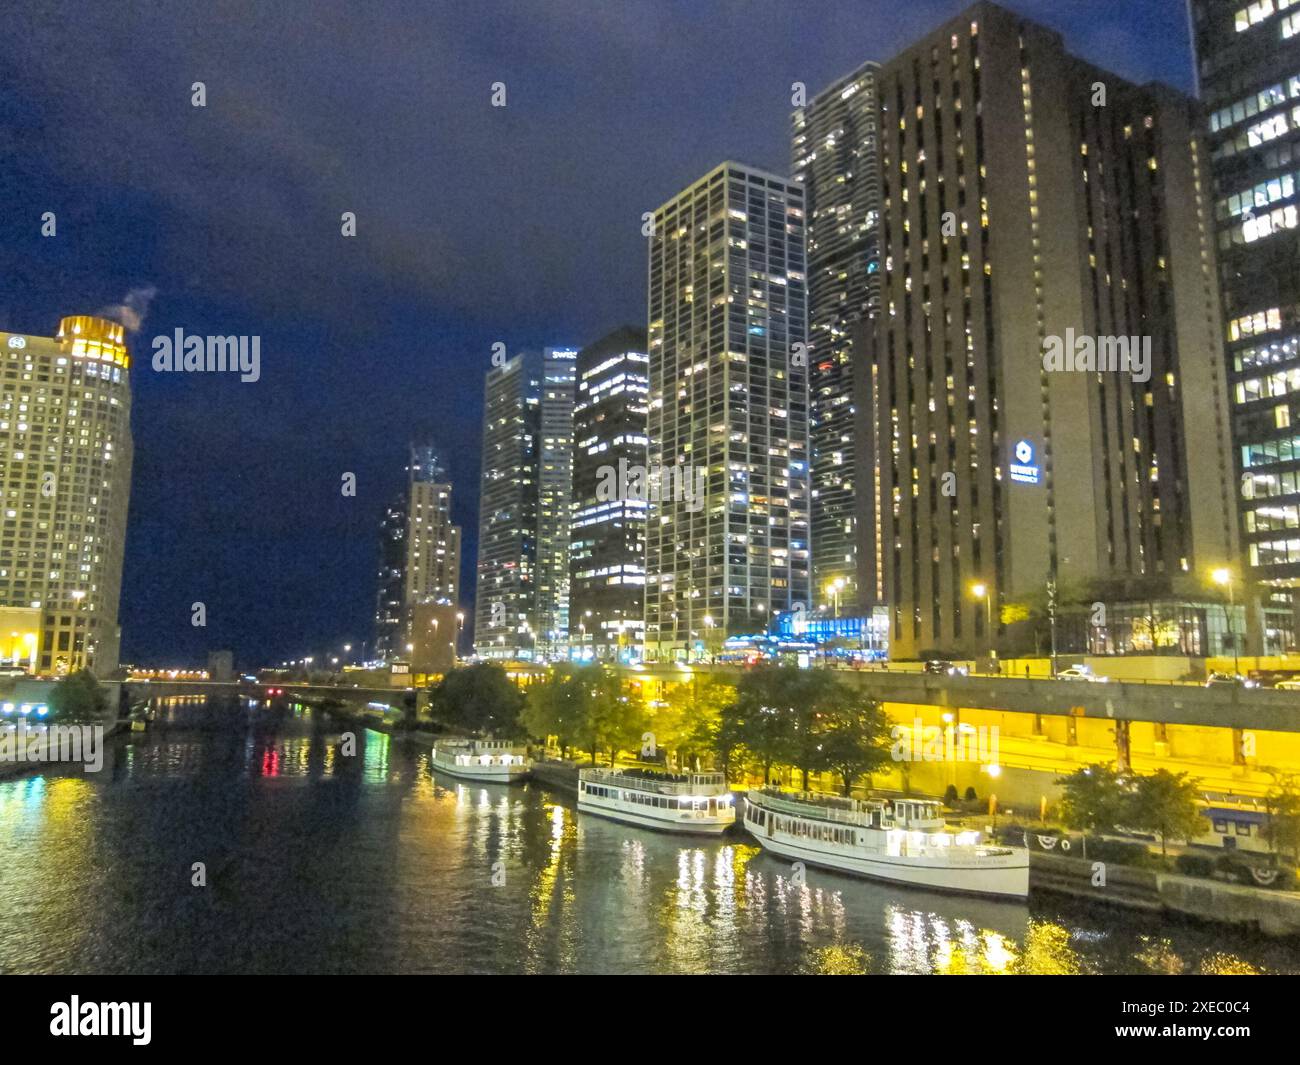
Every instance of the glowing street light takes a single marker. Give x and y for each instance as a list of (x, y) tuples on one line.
[(1224, 578), (980, 590)]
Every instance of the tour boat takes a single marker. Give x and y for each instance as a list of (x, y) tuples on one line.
[(491, 761), (905, 841), (677, 802)]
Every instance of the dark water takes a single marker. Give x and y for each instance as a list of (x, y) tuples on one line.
[(317, 862)]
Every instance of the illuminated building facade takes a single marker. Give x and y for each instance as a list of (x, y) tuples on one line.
[(522, 606), (65, 477), (554, 495), (419, 552), (1031, 200), (390, 609), (728, 411), (1249, 72), (835, 157), (607, 526)]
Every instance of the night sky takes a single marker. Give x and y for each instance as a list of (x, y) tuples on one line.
[(474, 224)]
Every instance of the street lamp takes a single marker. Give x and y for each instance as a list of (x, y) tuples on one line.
[(833, 589), (1223, 577), (980, 590)]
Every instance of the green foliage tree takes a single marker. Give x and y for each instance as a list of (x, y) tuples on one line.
[(479, 700), (760, 721), (78, 699), (689, 723), (854, 735), (1165, 803), (612, 713), (553, 707), (1094, 800), (1282, 830)]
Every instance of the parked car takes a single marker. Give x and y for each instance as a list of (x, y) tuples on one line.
[(1288, 685)]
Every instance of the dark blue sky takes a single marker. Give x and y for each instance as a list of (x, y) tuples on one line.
[(475, 224)]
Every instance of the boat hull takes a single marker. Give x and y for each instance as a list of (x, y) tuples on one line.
[(996, 876), (697, 826), (485, 774)]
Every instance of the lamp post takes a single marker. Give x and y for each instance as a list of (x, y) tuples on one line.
[(1223, 577), (980, 590)]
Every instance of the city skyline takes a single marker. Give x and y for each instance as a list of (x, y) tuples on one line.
[(232, 529)]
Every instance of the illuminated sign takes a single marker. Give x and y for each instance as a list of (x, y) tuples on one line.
[(18, 342), (1023, 470)]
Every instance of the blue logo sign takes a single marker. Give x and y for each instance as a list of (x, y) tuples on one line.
[(1022, 469)]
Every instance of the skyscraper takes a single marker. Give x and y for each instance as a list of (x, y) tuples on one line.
[(522, 605), (432, 541), (1249, 73), (504, 607), (554, 494), (419, 552), (607, 527), (1051, 392), (390, 607), (835, 157), (727, 533), (65, 475)]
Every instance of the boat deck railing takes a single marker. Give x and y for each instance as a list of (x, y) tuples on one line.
[(691, 785), (808, 804)]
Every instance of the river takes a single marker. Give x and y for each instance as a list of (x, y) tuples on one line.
[(312, 861)]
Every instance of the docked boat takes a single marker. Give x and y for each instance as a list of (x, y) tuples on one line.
[(491, 761), (905, 841), (676, 802)]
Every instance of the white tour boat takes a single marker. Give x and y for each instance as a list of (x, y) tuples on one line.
[(491, 761), (678, 802), (905, 841)]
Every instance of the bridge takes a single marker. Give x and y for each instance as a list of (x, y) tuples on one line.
[(1154, 702)]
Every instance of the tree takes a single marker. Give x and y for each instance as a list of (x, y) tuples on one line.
[(689, 724), (551, 708), (855, 735), (479, 700), (760, 719), (78, 698), (1094, 800), (1282, 829), (1166, 803), (612, 715)]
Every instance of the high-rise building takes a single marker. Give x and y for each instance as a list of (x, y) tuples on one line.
[(554, 494), (1050, 383), (521, 608), (1249, 73), (835, 157), (432, 540), (390, 609), (65, 476), (727, 532), (419, 552), (607, 527)]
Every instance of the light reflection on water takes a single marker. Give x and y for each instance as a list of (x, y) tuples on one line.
[(319, 862)]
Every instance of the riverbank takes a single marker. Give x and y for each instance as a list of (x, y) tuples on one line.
[(10, 769), (1273, 913)]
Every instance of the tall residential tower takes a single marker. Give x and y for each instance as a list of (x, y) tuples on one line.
[(1249, 72), (727, 536), (835, 157), (1051, 391), (65, 477), (607, 527)]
